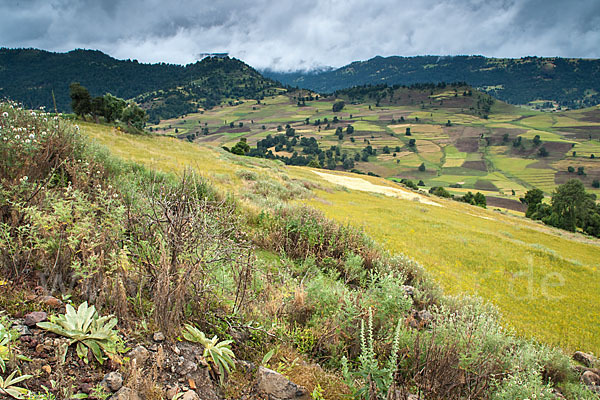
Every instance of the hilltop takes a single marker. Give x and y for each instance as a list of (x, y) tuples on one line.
[(31, 76), (572, 83)]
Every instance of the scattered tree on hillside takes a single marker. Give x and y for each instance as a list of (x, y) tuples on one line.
[(81, 101), (241, 148), (134, 116), (422, 167), (338, 106), (571, 208)]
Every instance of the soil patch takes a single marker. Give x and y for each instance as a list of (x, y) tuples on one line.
[(366, 186), (233, 130), (478, 165), (509, 204), (484, 184)]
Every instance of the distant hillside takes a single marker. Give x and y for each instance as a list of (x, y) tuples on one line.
[(30, 76), (573, 83)]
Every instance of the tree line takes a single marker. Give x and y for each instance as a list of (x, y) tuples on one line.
[(109, 107), (570, 208)]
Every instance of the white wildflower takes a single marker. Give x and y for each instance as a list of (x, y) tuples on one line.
[(5, 114)]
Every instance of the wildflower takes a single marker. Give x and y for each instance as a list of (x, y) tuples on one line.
[(17, 137), (27, 141), (24, 179), (33, 114), (5, 114), (32, 136)]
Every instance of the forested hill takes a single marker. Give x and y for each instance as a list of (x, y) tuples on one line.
[(570, 82), (30, 76)]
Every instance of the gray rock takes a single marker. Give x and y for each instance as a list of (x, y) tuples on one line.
[(158, 337), (590, 379), (424, 316), (275, 386), (139, 354), (190, 395), (22, 329), (409, 290), (586, 359), (126, 393), (113, 381), (51, 301), (34, 317)]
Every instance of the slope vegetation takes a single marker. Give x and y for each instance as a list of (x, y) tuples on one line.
[(543, 280)]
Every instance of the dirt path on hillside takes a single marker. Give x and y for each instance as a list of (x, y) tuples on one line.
[(366, 186)]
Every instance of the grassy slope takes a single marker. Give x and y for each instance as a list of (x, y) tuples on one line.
[(544, 281), (455, 154)]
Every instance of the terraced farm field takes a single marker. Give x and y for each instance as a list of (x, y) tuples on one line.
[(498, 152)]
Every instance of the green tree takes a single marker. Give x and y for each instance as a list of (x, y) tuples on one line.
[(338, 106), (543, 152), (570, 205), (412, 142), (98, 107), (422, 167), (113, 107), (533, 198), (134, 116), (81, 101), (408, 132), (537, 140), (571, 169), (241, 148)]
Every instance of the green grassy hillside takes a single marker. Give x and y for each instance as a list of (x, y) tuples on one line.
[(464, 139), (543, 280), (171, 241)]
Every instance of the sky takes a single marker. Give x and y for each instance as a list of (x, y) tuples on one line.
[(285, 35)]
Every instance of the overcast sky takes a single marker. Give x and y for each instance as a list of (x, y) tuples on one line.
[(304, 34)]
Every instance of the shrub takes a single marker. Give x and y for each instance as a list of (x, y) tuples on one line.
[(300, 232), (182, 233), (523, 386)]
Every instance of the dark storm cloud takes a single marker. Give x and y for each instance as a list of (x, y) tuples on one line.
[(304, 34)]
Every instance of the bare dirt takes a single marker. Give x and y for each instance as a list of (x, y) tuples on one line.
[(366, 186)]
